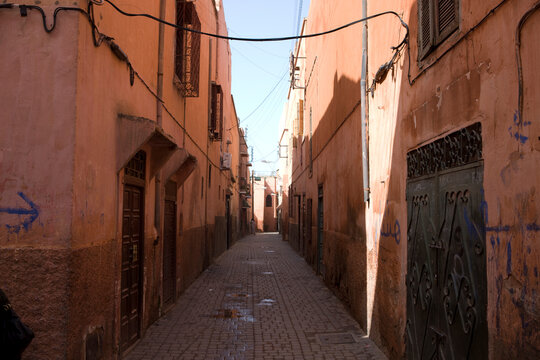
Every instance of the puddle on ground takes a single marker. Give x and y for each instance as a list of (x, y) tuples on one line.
[(239, 314), (239, 295), (269, 251), (266, 302), (268, 273)]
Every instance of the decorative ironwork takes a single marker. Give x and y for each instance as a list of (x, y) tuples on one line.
[(188, 48), (446, 259), (136, 167), (460, 148)]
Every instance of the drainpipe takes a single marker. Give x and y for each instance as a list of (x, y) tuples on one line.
[(363, 95), (159, 113)]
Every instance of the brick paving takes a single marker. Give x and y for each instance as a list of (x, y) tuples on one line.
[(260, 300)]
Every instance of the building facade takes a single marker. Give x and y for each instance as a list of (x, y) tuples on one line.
[(121, 166), (429, 233), (264, 202)]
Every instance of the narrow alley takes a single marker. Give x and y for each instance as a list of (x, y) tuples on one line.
[(260, 300)]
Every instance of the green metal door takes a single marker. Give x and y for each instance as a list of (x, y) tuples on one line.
[(446, 258)]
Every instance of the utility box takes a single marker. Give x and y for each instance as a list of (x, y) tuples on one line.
[(226, 160)]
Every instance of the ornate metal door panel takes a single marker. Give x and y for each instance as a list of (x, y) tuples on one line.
[(446, 260)]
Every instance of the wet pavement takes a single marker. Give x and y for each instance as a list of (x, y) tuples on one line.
[(260, 300)]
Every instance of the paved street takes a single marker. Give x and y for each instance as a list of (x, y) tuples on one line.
[(260, 300)]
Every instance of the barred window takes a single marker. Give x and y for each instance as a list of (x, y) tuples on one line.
[(215, 124), (188, 48), (268, 200), (437, 19)]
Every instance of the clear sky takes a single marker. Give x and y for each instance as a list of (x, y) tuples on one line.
[(257, 68)]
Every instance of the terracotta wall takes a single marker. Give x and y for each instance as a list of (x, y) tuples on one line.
[(471, 77), (76, 113)]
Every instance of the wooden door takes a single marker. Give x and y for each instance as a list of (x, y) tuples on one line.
[(132, 237)]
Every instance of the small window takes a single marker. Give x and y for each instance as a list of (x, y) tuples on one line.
[(202, 187), (215, 124), (209, 175), (437, 19), (188, 48), (136, 167), (268, 200)]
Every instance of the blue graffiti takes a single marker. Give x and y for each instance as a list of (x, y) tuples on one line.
[(27, 222), (395, 234), (516, 130), (498, 229)]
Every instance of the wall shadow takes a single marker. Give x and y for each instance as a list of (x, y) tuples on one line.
[(336, 164)]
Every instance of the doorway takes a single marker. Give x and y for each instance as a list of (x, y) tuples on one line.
[(446, 255), (320, 232), (132, 240), (228, 219), (169, 244)]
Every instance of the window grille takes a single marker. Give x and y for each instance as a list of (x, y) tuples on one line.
[(136, 167), (268, 200), (437, 19), (188, 48), (215, 126)]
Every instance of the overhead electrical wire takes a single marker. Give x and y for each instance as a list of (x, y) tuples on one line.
[(254, 63), (263, 101), (283, 38)]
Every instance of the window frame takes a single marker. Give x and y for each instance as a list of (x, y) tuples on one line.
[(430, 34), (215, 120), (187, 55)]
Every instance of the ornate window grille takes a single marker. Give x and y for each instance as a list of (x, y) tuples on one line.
[(188, 48), (136, 167)]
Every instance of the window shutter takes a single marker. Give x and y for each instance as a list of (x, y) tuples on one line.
[(301, 118), (446, 18), (219, 127), (213, 109), (425, 27)]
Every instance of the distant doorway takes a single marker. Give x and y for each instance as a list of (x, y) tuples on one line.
[(169, 244), (320, 232), (228, 219)]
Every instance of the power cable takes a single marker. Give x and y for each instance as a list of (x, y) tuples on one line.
[(262, 102), (260, 48), (284, 38), (254, 63)]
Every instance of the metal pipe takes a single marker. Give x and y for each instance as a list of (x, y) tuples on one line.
[(365, 160), (161, 42), (159, 112)]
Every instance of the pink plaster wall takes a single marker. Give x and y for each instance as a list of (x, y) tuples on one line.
[(476, 81), (62, 99)]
